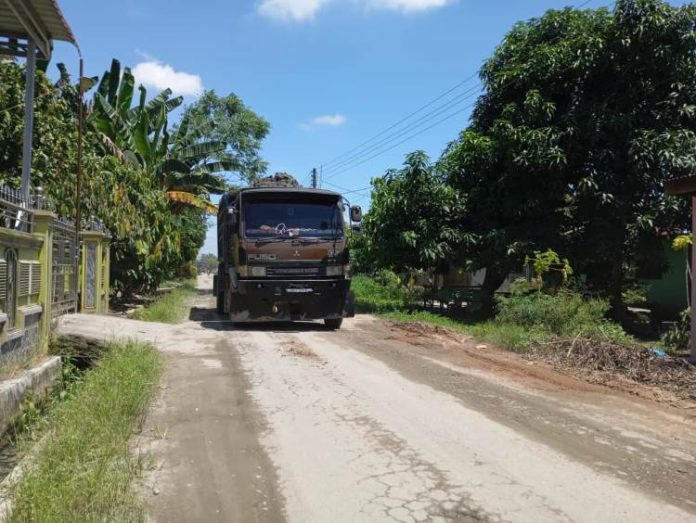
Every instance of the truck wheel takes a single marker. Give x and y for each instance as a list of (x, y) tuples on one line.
[(333, 323), (216, 292)]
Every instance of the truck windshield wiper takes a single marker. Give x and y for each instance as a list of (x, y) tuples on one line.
[(271, 239), (312, 239)]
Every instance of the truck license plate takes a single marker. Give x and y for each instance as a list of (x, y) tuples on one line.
[(298, 290)]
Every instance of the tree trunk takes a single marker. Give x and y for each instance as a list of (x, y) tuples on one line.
[(618, 311), (491, 283)]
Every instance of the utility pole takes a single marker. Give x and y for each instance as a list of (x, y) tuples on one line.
[(314, 178)]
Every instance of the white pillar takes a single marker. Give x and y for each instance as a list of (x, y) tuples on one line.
[(28, 118)]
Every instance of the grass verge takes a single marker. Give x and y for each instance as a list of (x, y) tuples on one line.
[(571, 334), (506, 335), (83, 469), (521, 323), (171, 307)]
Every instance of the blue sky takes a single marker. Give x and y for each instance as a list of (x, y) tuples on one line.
[(327, 74)]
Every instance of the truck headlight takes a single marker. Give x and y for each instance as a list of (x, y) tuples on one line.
[(258, 272), (334, 270)]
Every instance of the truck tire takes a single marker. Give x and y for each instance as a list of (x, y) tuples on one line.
[(219, 296), (220, 303), (333, 323)]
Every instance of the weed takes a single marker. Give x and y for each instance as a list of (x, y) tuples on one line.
[(171, 307), (379, 295), (83, 470)]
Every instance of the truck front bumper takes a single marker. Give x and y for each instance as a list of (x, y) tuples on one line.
[(291, 300)]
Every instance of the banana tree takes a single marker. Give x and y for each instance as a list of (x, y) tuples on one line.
[(186, 168)]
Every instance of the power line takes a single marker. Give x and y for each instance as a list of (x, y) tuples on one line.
[(341, 160), (348, 161), (404, 140), (431, 102), (429, 116), (346, 190)]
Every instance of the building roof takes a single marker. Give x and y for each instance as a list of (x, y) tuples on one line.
[(681, 186), (38, 20)]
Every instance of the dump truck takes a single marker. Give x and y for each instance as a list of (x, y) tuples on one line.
[(283, 253)]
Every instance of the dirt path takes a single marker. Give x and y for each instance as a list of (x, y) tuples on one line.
[(375, 423)]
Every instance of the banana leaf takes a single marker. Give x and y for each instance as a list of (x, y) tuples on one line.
[(114, 79), (191, 200), (200, 151), (125, 92)]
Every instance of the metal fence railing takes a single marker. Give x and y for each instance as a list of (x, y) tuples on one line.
[(64, 269), (16, 212)]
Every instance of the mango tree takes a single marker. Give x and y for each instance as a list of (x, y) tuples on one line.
[(585, 114)]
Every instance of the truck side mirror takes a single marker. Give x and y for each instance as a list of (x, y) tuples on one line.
[(356, 214)]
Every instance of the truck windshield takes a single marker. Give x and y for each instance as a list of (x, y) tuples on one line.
[(281, 218)]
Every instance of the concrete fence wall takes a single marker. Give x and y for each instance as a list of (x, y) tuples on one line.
[(45, 272)]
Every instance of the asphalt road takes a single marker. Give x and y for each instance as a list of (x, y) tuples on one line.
[(378, 423)]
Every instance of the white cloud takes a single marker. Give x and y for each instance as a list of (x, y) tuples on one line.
[(332, 120), (290, 10), (325, 120), (153, 73), (302, 10), (408, 6)]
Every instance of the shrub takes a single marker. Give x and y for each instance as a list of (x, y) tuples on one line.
[(371, 295), (563, 314), (677, 339), (188, 271)]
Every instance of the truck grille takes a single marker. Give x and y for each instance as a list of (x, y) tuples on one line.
[(284, 271)]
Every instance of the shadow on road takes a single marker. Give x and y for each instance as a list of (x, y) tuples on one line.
[(210, 319)]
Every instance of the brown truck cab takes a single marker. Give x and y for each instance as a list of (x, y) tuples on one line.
[(283, 254)]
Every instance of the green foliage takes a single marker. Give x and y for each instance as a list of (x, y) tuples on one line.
[(381, 294), (563, 314), (148, 185), (188, 271), (585, 114), (227, 120), (682, 242), (636, 294), (522, 320), (207, 263), (84, 470), (170, 307), (55, 128), (413, 220), (678, 338), (29, 413), (549, 262)]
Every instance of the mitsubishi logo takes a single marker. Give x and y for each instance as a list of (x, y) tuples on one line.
[(297, 254)]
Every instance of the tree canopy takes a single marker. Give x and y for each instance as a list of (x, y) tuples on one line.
[(414, 219), (585, 114), (227, 119), (149, 184)]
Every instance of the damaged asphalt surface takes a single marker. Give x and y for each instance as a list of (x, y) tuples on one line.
[(294, 422)]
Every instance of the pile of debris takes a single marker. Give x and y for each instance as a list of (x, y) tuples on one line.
[(277, 180), (604, 360)]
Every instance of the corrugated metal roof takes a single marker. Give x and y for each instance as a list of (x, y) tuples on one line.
[(19, 18)]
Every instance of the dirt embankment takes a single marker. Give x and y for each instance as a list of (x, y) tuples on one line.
[(589, 362)]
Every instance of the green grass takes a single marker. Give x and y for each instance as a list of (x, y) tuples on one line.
[(171, 307), (505, 335), (371, 296), (83, 469), (522, 321)]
